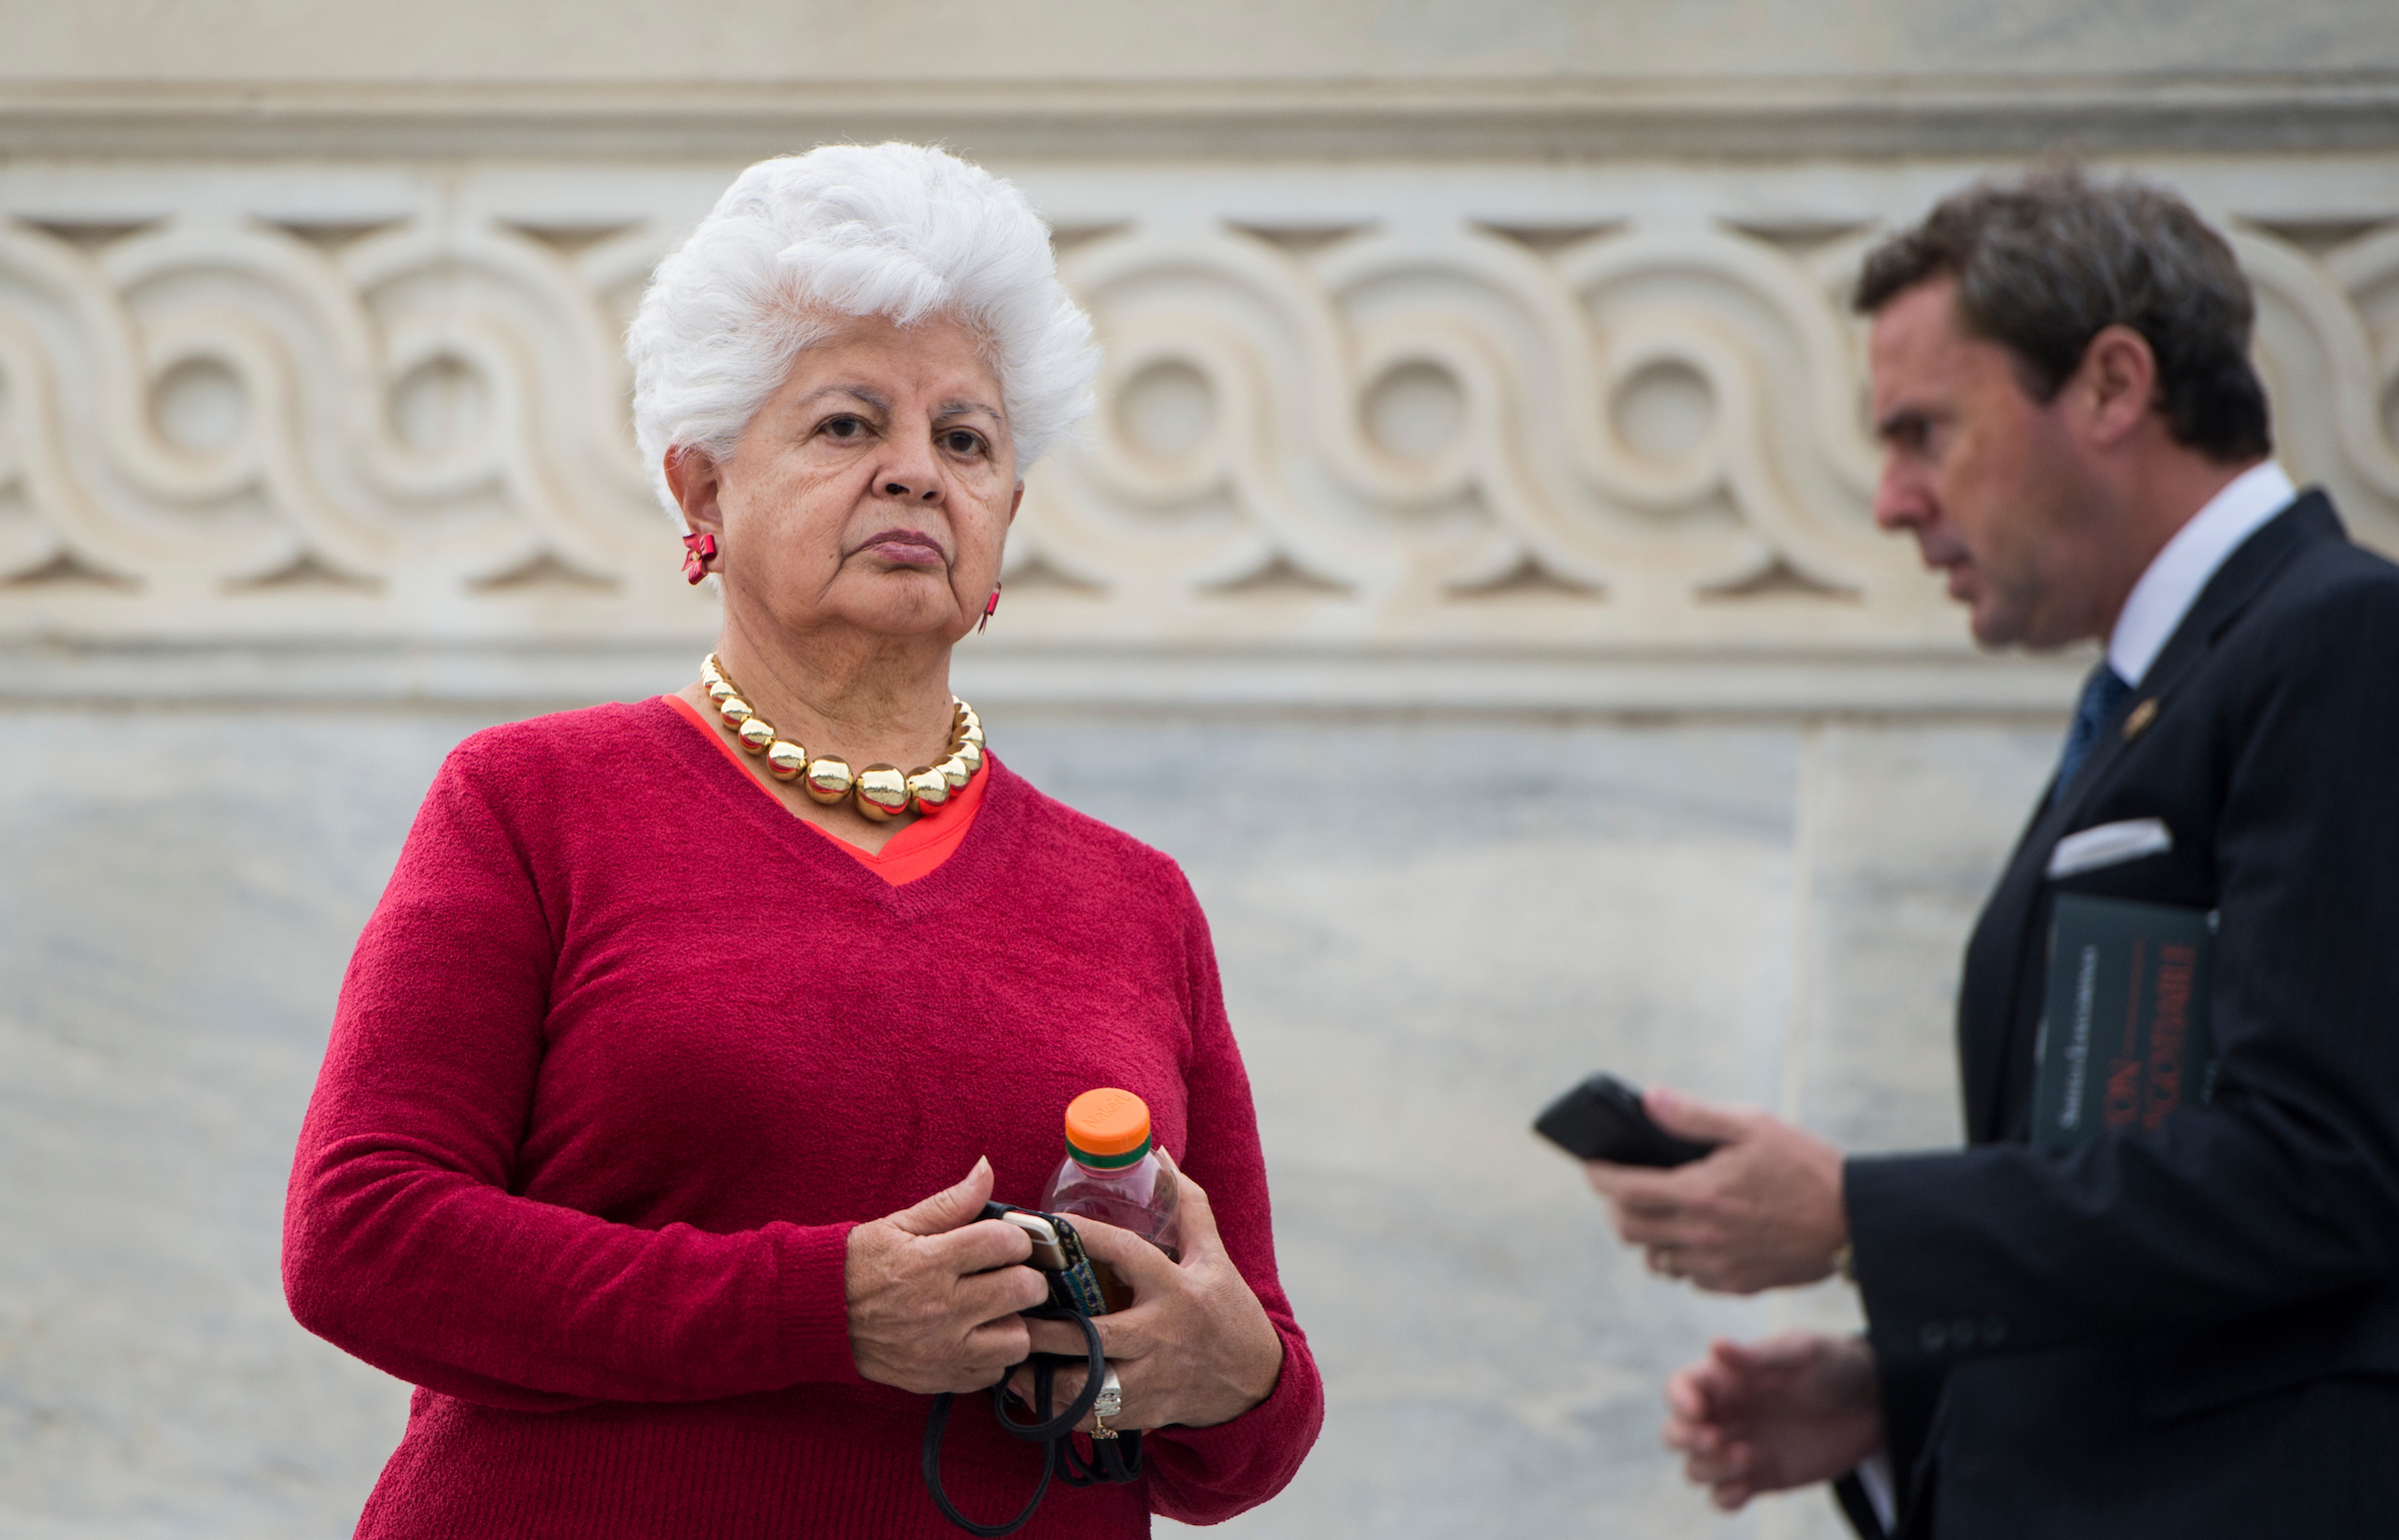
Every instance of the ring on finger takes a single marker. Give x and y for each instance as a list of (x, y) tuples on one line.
[(1109, 1404)]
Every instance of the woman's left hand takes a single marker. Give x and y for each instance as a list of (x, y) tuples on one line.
[(1194, 1349)]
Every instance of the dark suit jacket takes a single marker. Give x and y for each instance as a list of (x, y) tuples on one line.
[(2192, 1332)]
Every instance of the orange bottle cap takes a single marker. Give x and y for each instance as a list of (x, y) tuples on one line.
[(1109, 1123)]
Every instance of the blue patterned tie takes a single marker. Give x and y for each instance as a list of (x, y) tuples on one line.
[(2102, 693)]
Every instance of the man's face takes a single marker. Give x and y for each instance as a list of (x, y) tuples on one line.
[(1989, 480)]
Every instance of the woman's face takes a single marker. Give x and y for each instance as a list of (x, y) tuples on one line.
[(873, 491)]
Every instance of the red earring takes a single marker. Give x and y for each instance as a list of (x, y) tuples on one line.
[(702, 549), (990, 606)]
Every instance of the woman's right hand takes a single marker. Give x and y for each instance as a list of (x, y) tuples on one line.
[(925, 1312)]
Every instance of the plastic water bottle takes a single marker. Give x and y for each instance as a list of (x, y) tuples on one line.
[(1113, 1175)]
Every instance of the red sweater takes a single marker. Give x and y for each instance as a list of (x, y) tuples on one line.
[(621, 1056)]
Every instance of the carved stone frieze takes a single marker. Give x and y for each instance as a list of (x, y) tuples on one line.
[(1360, 417)]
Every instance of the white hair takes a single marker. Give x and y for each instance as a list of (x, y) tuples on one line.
[(896, 230)]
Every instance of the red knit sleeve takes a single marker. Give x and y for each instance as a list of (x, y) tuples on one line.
[(1206, 1475), (402, 1241)]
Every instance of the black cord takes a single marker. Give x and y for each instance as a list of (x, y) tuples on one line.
[(1053, 1434), (1116, 1458)]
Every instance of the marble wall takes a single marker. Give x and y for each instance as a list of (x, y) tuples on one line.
[(1766, 912), (1480, 385)]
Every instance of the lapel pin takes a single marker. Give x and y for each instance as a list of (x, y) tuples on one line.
[(2138, 722)]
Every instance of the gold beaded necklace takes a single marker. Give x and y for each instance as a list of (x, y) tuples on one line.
[(880, 791)]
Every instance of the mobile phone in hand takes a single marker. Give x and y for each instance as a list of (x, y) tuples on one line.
[(1603, 1119), (1075, 1281)]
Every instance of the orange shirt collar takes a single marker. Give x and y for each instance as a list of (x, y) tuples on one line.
[(908, 855)]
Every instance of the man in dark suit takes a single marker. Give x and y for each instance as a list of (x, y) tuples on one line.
[(2186, 1331)]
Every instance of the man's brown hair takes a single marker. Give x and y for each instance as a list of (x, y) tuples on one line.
[(2044, 264)]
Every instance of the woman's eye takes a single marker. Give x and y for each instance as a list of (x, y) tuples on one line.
[(844, 428), (960, 442)]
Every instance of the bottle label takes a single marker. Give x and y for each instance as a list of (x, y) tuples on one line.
[(1092, 1162)]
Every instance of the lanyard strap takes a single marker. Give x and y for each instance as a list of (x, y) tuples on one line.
[(1109, 1461)]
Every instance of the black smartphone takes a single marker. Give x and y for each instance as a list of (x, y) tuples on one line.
[(1603, 1119)]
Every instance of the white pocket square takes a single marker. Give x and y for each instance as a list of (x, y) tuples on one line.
[(2109, 844)]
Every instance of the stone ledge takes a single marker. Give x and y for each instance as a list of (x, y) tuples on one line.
[(1790, 682), (1773, 119)]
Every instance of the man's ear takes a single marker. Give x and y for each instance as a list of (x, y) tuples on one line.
[(2118, 381), (695, 480)]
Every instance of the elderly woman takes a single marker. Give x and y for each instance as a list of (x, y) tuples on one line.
[(672, 1073)]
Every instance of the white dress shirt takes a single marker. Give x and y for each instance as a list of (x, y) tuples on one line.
[(2168, 589)]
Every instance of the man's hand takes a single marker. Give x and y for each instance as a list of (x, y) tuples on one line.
[(926, 1314), (1763, 1211), (1790, 1411), (1195, 1348)]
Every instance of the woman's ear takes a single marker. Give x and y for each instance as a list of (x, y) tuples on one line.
[(695, 480), (1016, 502)]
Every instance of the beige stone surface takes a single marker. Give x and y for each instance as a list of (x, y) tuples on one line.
[(1051, 40), (1480, 385), (1905, 827), (173, 927)]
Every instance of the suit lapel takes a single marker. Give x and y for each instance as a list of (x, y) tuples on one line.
[(2007, 955), (1996, 964)]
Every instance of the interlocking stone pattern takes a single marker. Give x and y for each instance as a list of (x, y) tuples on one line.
[(1520, 410)]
